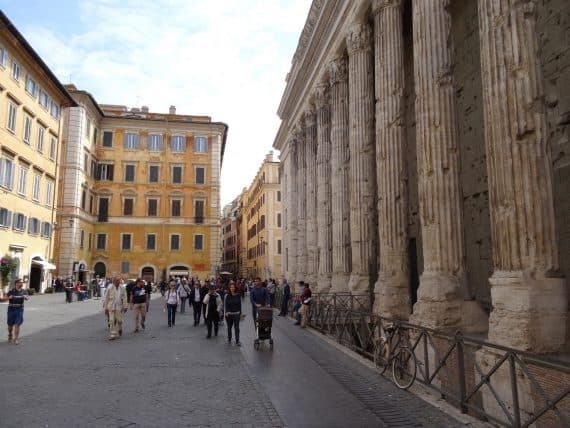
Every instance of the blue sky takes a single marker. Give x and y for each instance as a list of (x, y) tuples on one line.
[(223, 58)]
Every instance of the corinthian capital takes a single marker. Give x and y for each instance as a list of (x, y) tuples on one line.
[(297, 133), (358, 38), (321, 95), (338, 70), (309, 115), (378, 5)]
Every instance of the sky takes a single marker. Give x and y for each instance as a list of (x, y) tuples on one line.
[(226, 59)]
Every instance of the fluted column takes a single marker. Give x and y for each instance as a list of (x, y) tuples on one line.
[(392, 295), (363, 218), (340, 172), (299, 137), (311, 174), (529, 298), (324, 196), (441, 284), (291, 209)]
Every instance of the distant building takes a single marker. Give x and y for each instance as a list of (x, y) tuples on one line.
[(31, 100), (230, 237)]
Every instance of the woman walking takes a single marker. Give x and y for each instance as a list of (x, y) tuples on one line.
[(232, 309), (15, 319), (171, 301), (213, 304)]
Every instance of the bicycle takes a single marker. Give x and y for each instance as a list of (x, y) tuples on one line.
[(398, 355)]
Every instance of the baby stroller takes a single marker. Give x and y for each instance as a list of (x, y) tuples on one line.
[(263, 325)]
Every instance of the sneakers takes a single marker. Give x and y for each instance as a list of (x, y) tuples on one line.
[(297, 323), (16, 341), (238, 343), (120, 332), (111, 338), (229, 341), (136, 330)]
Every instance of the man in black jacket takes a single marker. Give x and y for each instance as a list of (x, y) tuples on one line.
[(196, 297), (286, 297)]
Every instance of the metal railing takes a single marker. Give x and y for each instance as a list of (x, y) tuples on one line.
[(484, 379)]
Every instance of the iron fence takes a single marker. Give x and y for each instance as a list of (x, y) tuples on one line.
[(481, 378)]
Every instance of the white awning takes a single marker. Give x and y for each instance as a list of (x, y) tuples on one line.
[(45, 265)]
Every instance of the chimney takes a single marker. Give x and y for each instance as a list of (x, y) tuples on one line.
[(172, 110), (144, 109)]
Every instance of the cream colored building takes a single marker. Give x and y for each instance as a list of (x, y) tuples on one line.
[(31, 101)]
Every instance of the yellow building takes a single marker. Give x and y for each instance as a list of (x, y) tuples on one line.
[(31, 100), (140, 192), (261, 215)]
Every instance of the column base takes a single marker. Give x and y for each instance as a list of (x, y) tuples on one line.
[(528, 314), (339, 283), (359, 283), (392, 296)]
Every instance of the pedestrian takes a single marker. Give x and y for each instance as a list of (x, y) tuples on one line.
[(196, 297), (163, 287), (138, 300), (115, 304), (259, 297), (297, 305), (171, 302), (232, 310), (183, 291), (148, 288), (305, 311), (15, 316), (213, 304), (271, 288), (286, 297), (204, 290)]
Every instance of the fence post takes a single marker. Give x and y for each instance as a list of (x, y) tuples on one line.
[(461, 370), (351, 302), (514, 389), (426, 357)]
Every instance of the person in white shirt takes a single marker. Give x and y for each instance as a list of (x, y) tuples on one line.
[(171, 302)]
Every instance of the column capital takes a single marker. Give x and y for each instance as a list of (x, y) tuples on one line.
[(309, 115), (297, 133), (378, 5), (358, 38), (338, 70), (321, 95)]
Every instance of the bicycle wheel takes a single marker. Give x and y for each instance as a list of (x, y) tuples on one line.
[(382, 356), (404, 368)]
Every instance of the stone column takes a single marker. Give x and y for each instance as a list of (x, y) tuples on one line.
[(529, 298), (298, 136), (311, 174), (340, 172), (363, 218), (290, 203), (324, 196), (443, 279), (392, 295)]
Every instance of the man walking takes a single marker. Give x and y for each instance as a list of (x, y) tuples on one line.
[(138, 301), (196, 297), (115, 305), (259, 297)]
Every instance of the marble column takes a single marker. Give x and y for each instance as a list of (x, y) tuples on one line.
[(298, 135), (291, 209), (443, 278), (340, 173), (392, 295), (310, 120), (363, 217), (324, 194), (528, 294)]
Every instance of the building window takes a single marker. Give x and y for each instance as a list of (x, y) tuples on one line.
[(46, 229), (177, 175), (85, 163), (129, 173), (177, 143), (101, 241), (82, 239), (11, 124), (176, 210), (278, 196), (200, 175), (279, 246), (128, 204), (278, 219), (27, 129), (199, 205), (131, 140), (3, 57), (152, 207), (154, 142), (201, 144), (151, 242), (107, 139), (125, 268), (43, 98), (153, 173), (198, 242), (36, 188), (52, 147), (7, 173), (19, 222), (23, 180), (54, 109), (103, 214), (41, 132), (34, 226), (5, 217), (174, 242), (93, 169), (88, 127), (89, 241), (83, 198), (31, 86), (49, 192), (105, 171), (90, 203), (15, 70), (126, 241)]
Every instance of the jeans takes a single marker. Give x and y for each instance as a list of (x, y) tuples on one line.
[(212, 322), (171, 309), (233, 321), (284, 306), (183, 304), (197, 306)]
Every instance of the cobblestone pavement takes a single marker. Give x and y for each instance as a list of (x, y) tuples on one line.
[(65, 374)]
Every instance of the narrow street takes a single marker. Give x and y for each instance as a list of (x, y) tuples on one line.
[(67, 375)]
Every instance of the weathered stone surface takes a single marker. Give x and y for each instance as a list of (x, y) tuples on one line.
[(310, 120), (299, 137)]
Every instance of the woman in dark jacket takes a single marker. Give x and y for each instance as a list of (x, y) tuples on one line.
[(232, 310)]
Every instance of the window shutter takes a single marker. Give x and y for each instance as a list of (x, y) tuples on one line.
[(8, 218), (110, 173), (98, 172)]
